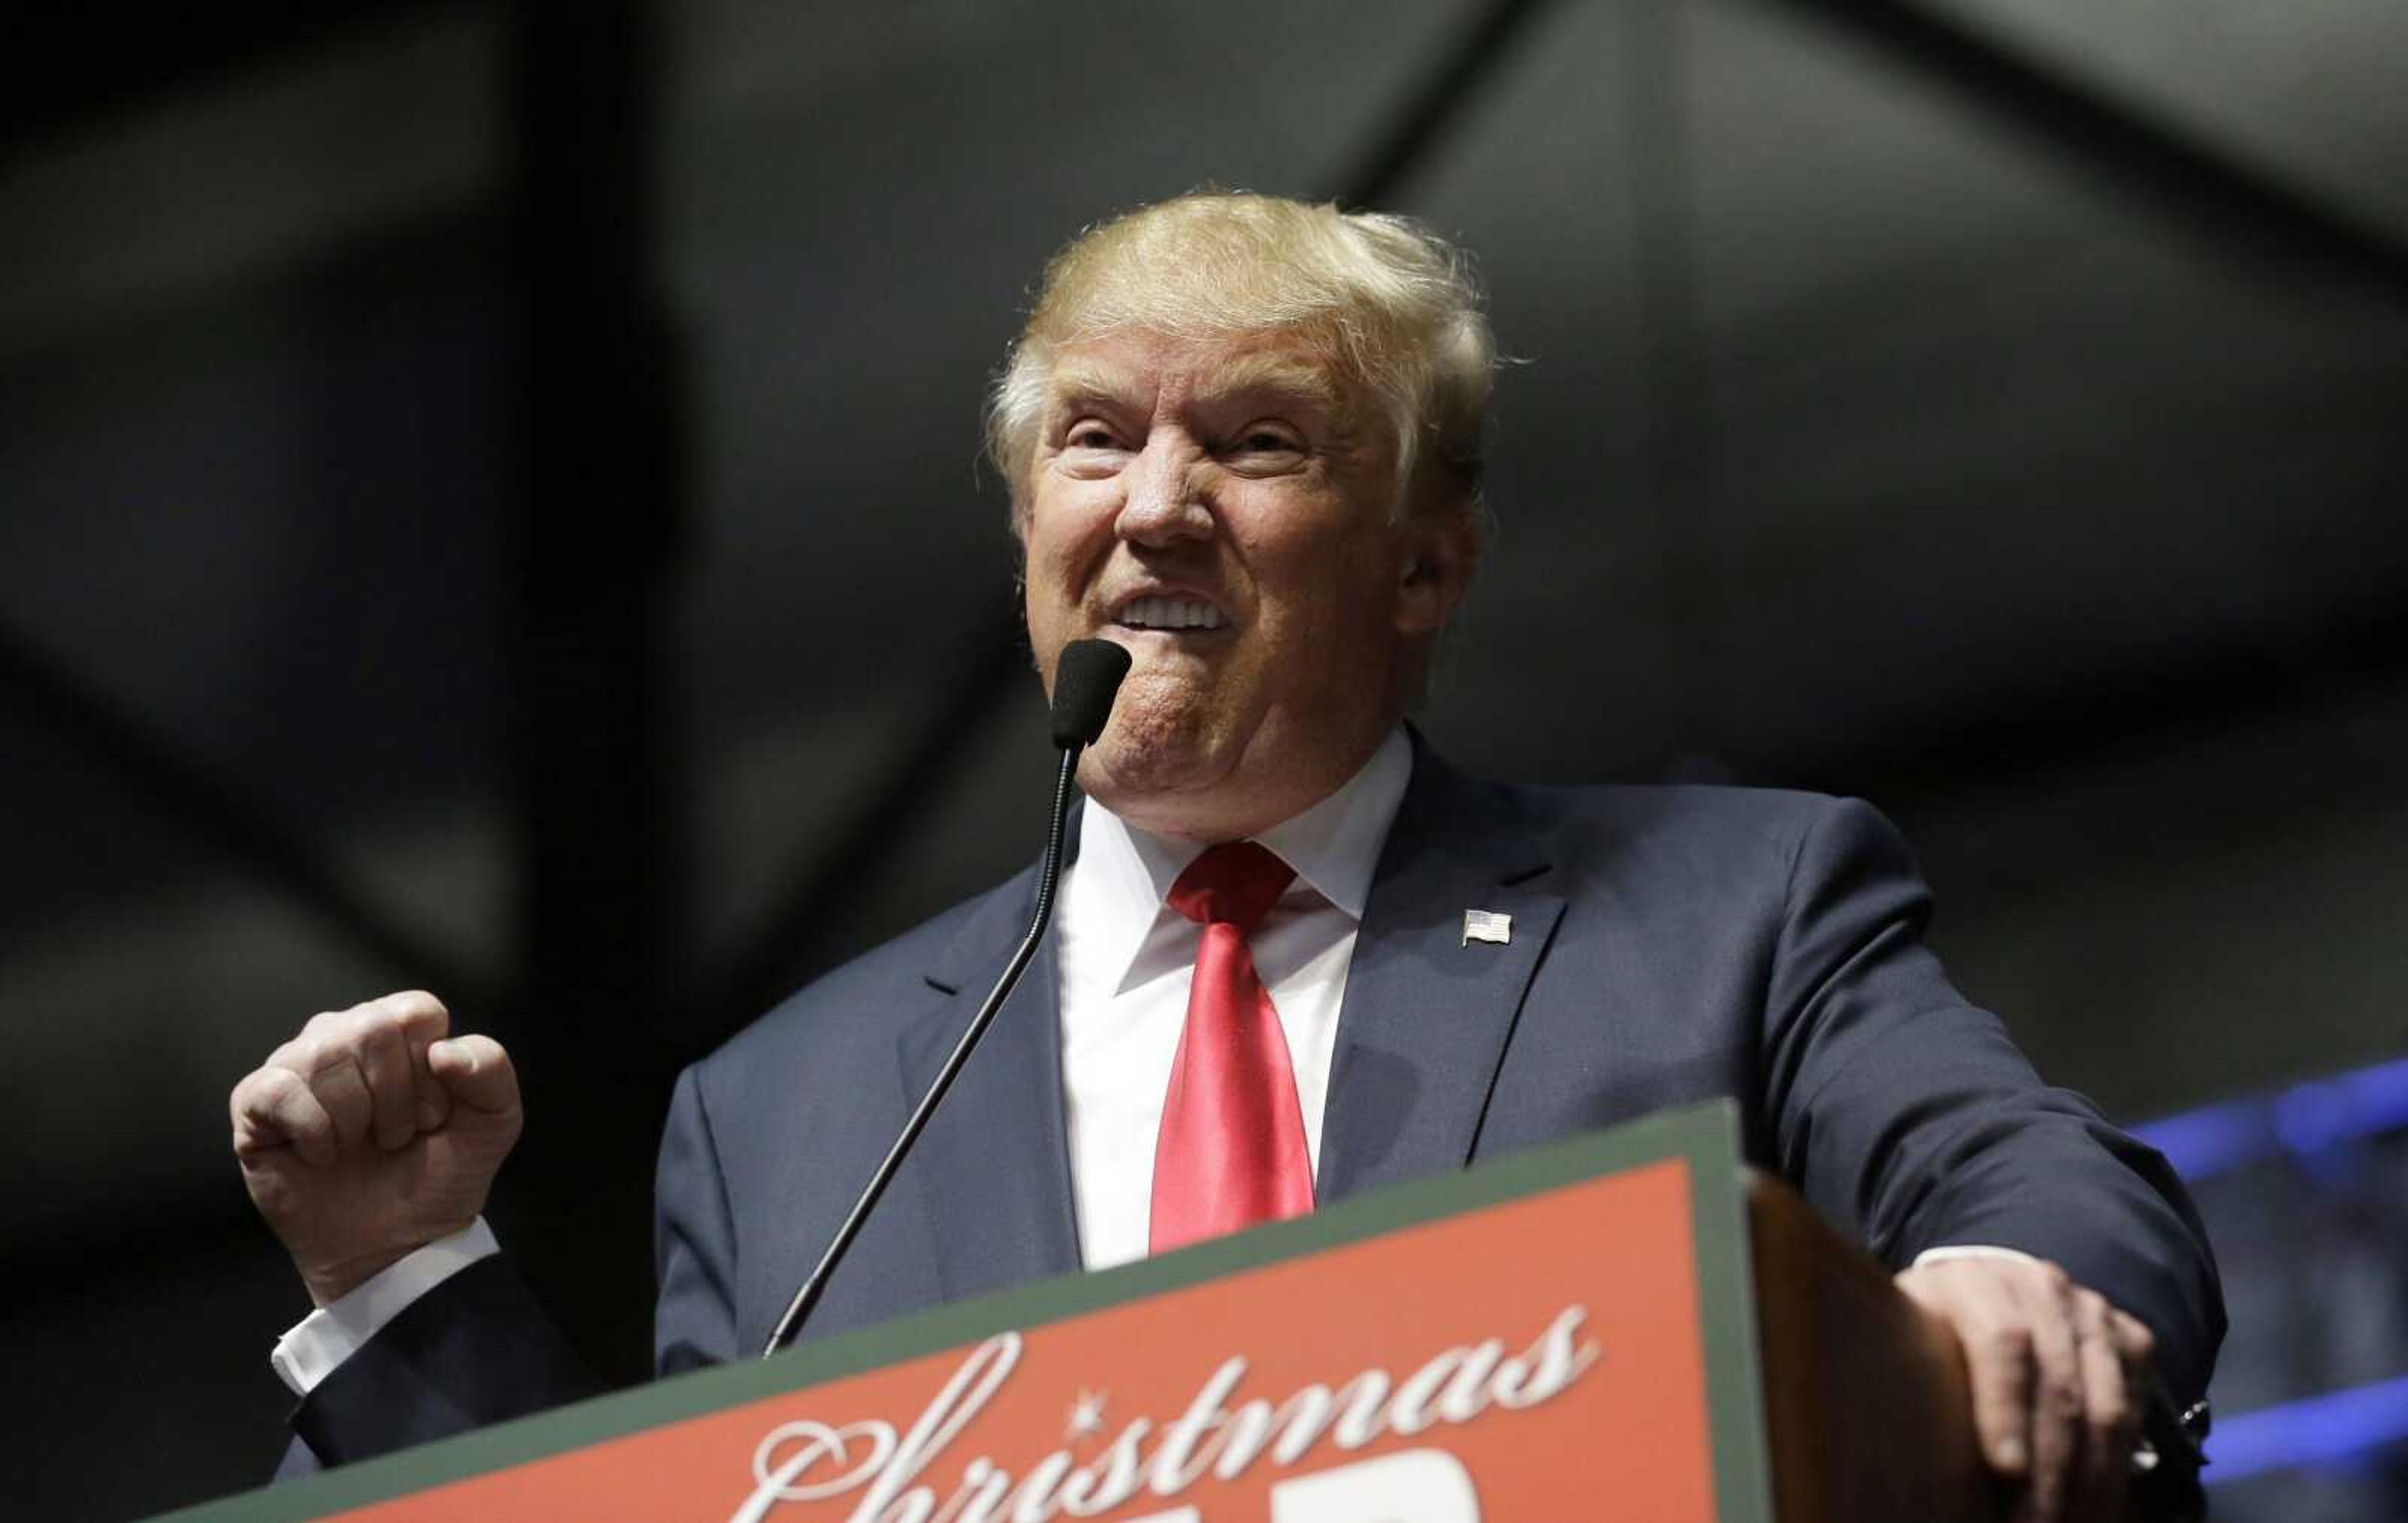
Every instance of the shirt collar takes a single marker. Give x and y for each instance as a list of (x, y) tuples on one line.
[(1334, 846), (1123, 875)]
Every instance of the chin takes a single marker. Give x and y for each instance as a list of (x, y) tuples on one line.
[(1161, 742), (1129, 764)]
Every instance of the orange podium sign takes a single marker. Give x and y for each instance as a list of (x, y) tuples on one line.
[(1564, 1334)]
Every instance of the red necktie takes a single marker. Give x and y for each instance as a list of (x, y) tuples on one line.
[(1231, 1152)]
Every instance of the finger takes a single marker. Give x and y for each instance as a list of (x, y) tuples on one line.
[(321, 1057), (332, 1071), (433, 1101), (1997, 1359), (382, 1053), (273, 1108), (2134, 1341), (418, 1016), (421, 1017), (477, 1073), (2111, 1415), (2056, 1396), (422, 1020)]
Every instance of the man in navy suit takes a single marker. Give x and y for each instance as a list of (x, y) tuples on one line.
[(1243, 437)]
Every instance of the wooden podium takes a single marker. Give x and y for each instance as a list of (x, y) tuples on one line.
[(1628, 1325)]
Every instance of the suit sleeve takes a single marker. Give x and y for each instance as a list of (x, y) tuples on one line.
[(693, 1248), (1900, 1107), (476, 1349)]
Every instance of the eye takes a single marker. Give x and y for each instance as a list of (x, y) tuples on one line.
[(1088, 434), (1266, 443)]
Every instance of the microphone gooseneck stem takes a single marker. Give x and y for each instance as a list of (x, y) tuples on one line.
[(1048, 876)]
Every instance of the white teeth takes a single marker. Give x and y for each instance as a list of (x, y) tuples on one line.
[(1171, 613)]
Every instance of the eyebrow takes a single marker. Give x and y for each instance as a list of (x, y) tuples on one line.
[(1275, 373), (1077, 383)]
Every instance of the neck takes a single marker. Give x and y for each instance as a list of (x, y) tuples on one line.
[(1240, 807)]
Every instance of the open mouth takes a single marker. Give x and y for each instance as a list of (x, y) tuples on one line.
[(1171, 615)]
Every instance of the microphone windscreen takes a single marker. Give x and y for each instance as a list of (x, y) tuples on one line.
[(1086, 677)]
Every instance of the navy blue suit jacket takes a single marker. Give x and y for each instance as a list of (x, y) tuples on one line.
[(1669, 945)]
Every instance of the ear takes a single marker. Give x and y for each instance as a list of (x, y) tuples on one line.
[(1442, 549)]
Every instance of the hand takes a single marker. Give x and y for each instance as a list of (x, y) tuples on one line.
[(370, 1135), (2058, 1378)]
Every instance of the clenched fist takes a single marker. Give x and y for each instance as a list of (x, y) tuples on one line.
[(370, 1135)]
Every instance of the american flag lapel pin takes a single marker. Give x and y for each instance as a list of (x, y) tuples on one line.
[(1486, 926)]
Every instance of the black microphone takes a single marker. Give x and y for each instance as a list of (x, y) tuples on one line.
[(1085, 678)]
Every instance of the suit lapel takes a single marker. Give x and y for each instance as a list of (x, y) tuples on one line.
[(1424, 1026), (995, 1164), (1426, 1015)]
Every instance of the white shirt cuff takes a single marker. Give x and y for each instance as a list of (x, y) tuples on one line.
[(1970, 1250), (308, 1353)]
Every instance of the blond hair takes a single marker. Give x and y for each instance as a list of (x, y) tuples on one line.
[(1387, 304)]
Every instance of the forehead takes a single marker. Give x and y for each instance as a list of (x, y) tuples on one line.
[(1151, 369)]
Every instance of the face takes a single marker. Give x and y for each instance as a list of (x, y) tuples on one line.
[(1224, 509)]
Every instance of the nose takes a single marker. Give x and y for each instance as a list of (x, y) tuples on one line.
[(1165, 502)]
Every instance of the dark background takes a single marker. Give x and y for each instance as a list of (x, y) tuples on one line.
[(488, 501)]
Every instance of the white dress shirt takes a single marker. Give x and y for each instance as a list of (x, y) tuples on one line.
[(1126, 960)]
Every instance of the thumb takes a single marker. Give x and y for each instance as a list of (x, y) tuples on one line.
[(476, 1072)]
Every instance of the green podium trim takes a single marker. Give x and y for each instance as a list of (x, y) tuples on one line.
[(1706, 1138)]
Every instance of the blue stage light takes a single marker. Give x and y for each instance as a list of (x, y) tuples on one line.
[(2320, 1429), (2302, 1120)]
